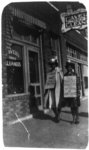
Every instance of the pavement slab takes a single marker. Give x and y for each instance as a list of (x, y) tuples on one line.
[(45, 133)]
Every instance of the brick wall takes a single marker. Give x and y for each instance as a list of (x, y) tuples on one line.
[(11, 104), (6, 44)]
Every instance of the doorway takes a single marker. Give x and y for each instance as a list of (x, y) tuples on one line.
[(34, 77), (81, 79)]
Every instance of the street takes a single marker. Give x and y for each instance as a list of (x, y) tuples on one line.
[(42, 132)]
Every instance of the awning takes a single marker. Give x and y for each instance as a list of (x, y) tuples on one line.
[(27, 19)]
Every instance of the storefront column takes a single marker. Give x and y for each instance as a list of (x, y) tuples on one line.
[(63, 52), (42, 70), (85, 77), (82, 81)]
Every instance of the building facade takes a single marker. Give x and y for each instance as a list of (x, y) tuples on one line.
[(27, 47), (76, 52), (29, 40)]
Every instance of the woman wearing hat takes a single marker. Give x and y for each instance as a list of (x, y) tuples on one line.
[(53, 94), (72, 102)]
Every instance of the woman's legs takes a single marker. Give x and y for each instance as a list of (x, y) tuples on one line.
[(46, 99), (75, 114)]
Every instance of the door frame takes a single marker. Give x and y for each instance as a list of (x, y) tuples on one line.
[(36, 50)]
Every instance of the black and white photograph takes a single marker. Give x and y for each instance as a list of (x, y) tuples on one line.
[(44, 59)]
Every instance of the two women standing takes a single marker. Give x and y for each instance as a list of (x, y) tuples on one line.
[(54, 91)]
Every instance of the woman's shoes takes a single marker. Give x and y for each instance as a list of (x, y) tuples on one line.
[(46, 111), (56, 119), (76, 121)]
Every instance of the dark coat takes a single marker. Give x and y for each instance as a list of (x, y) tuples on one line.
[(71, 101)]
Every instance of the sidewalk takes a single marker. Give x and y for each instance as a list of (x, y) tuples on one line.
[(43, 132), (84, 98)]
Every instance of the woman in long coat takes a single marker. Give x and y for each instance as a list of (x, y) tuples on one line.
[(53, 94)]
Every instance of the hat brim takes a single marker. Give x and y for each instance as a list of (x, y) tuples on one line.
[(52, 62), (70, 64)]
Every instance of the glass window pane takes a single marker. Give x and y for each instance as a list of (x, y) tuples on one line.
[(38, 100), (15, 70), (33, 39), (38, 89), (34, 69)]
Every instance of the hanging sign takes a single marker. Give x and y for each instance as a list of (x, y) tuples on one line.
[(51, 79), (74, 20), (70, 86)]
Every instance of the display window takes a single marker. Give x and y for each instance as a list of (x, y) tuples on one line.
[(15, 81)]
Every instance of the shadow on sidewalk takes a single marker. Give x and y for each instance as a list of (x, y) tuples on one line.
[(39, 114), (66, 120), (33, 105), (81, 114)]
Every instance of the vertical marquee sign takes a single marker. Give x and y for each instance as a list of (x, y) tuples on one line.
[(74, 20), (51, 79)]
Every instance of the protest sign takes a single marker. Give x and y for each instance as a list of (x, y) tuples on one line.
[(50, 82), (70, 86)]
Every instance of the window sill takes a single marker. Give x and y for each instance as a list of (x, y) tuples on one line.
[(15, 95)]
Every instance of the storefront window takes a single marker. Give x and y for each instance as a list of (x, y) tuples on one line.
[(15, 83), (86, 82), (54, 46), (27, 38), (73, 52), (34, 67), (16, 35)]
